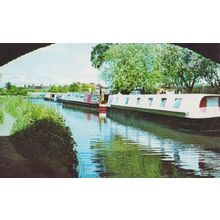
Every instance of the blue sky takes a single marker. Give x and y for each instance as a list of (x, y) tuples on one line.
[(55, 64)]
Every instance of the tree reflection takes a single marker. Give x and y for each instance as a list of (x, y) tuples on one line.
[(125, 159)]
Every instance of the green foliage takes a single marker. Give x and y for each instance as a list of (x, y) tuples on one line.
[(98, 54), (130, 67), (148, 67), (8, 85), (13, 90), (182, 68), (74, 87), (27, 113), (49, 146), (211, 74), (59, 89), (87, 88), (1, 116), (39, 134)]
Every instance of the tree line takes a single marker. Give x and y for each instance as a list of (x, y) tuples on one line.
[(149, 67), (11, 89)]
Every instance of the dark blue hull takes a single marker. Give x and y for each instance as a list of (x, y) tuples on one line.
[(207, 126)]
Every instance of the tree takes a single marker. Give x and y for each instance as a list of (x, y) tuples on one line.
[(8, 86), (130, 67), (181, 67), (97, 54), (74, 87), (86, 87), (211, 74)]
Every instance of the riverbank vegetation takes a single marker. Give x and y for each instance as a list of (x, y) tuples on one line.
[(1, 111), (150, 67), (11, 89), (1, 116), (40, 135), (74, 87)]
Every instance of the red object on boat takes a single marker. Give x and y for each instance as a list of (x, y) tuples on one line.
[(89, 98), (102, 108), (203, 104)]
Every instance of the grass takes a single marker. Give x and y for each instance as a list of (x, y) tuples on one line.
[(39, 134), (1, 116), (1, 111), (28, 113)]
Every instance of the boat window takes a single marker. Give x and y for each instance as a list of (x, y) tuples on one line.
[(177, 102), (111, 100), (163, 102), (116, 100), (138, 101), (126, 100), (150, 101), (212, 102)]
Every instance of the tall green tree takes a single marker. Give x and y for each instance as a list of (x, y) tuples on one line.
[(211, 74), (130, 67), (74, 87), (8, 85), (97, 54), (180, 67)]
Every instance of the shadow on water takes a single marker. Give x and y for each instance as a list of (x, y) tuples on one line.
[(45, 149)]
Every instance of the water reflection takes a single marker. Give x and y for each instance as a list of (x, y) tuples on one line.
[(124, 146)]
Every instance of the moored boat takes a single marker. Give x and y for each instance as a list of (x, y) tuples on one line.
[(50, 97), (56, 97), (198, 113), (81, 99)]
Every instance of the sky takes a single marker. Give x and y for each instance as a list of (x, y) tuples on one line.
[(55, 64)]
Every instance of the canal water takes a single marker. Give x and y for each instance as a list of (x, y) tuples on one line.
[(122, 146)]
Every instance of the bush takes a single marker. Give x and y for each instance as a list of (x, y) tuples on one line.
[(39, 134)]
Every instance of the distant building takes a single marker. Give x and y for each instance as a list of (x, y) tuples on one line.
[(38, 87)]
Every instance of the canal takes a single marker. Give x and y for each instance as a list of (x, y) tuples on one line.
[(122, 146)]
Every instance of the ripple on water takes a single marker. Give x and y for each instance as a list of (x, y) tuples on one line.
[(125, 147)]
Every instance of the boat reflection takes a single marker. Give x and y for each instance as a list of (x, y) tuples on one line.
[(187, 151), (118, 145)]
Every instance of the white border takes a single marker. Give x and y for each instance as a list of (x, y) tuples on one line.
[(93, 21)]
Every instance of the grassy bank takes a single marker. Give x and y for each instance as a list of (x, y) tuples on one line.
[(1, 111), (27, 113), (1, 116), (40, 135)]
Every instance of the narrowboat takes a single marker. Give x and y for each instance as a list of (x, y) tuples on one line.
[(56, 97), (50, 97), (198, 113), (81, 99)]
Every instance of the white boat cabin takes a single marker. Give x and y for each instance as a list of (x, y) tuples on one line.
[(81, 97), (181, 105)]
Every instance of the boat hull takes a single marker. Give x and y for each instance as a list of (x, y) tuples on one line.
[(207, 126), (82, 104), (48, 99)]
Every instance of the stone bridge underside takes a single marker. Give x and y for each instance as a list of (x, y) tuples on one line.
[(11, 51)]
